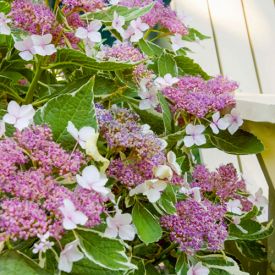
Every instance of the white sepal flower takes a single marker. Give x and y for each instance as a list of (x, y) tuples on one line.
[(25, 47), (163, 143), (177, 42), (163, 172), (146, 129), (4, 28), (19, 116), (72, 217), (198, 269), (92, 179), (259, 200), (166, 81), (69, 255), (2, 128), (172, 161), (120, 225), (194, 135), (234, 121), (91, 33), (82, 136), (135, 30), (148, 95), (150, 188), (114, 2), (118, 23), (234, 206), (42, 44), (218, 123), (195, 191), (87, 138), (43, 245)]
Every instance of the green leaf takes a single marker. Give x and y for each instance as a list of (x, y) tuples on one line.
[(168, 200), (5, 7), (104, 252), (146, 251), (150, 117), (172, 139), (241, 143), (107, 15), (187, 66), (77, 107), (166, 113), (85, 266), (13, 263), (141, 269), (253, 250), (10, 129), (70, 57), (148, 227), (149, 48), (221, 265), (184, 163), (255, 230), (167, 65), (194, 35), (181, 265)]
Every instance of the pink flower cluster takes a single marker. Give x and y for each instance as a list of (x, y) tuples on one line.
[(223, 182), (143, 150), (142, 72), (33, 18), (197, 225), (39, 19), (121, 52), (198, 97), (84, 5), (31, 195), (159, 14)]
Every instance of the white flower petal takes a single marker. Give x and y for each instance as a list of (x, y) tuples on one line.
[(145, 104), (223, 123), (233, 128), (71, 129), (188, 141), (26, 55), (200, 140), (10, 119), (94, 36), (22, 123), (111, 232), (153, 195), (68, 224), (127, 232), (163, 172), (64, 264), (214, 128), (81, 33)]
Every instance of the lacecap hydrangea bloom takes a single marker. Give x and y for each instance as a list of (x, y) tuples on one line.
[(32, 196)]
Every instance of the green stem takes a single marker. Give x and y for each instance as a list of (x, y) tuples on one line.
[(30, 93), (165, 251)]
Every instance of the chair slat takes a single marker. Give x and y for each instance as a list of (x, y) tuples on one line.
[(233, 43), (197, 16), (260, 18)]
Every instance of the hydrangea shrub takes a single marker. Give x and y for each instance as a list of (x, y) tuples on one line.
[(100, 170)]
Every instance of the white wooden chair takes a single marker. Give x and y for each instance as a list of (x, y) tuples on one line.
[(241, 48)]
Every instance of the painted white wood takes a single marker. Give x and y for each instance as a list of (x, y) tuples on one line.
[(260, 17), (233, 43), (263, 106), (196, 15), (234, 51)]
